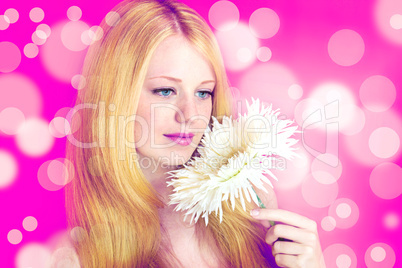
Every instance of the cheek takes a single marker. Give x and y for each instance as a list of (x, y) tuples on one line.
[(205, 113), (142, 123)]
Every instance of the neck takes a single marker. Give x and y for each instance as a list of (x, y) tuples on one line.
[(157, 176)]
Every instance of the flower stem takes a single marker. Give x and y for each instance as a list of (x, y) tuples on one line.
[(261, 205)]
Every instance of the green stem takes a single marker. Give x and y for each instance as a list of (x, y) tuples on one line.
[(261, 205)]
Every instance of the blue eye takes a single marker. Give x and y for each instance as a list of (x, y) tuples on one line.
[(164, 91), (205, 94)]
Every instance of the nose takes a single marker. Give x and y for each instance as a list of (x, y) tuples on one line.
[(187, 109)]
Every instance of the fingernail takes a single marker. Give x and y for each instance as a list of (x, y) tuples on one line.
[(255, 212)]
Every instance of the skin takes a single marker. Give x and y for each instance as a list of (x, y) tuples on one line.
[(303, 250), (187, 108)]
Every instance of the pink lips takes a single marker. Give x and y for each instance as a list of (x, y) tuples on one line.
[(181, 138)]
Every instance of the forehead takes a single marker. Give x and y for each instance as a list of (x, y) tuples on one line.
[(177, 57)]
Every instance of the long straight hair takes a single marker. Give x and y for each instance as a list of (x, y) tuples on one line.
[(109, 200)]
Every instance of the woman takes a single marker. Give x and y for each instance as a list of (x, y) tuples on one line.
[(158, 72)]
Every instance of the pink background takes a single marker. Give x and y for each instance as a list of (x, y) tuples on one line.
[(299, 55)]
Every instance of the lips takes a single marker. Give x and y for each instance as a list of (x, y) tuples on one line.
[(181, 138), (180, 135)]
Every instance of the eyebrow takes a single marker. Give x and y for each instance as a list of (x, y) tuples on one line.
[(179, 80)]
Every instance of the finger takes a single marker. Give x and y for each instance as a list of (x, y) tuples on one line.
[(290, 232), (291, 248), (283, 260), (285, 216), (266, 224)]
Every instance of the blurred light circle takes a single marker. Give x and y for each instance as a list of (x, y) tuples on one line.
[(11, 119), (58, 60), (346, 47), (356, 124), (112, 18), (10, 56), (31, 50), (85, 37), (36, 39), (30, 223), (264, 23), (78, 81), (93, 165), (65, 257), (7, 20), (377, 93), (77, 234), (264, 54), (41, 34), (315, 141), (319, 195), (326, 168), (343, 261), (72, 116), (379, 255), (12, 14), (295, 91), (340, 255), (44, 180), (328, 223), (8, 169), (312, 116), (384, 142), (295, 172), (388, 20), (337, 105), (33, 255), (386, 180), (391, 221), (244, 55), (305, 109), (4, 22), (33, 138), (71, 35), (36, 14), (223, 15), (270, 82), (95, 33), (59, 127), (328, 93), (358, 145), (396, 21), (45, 29), (58, 171), (345, 212), (235, 40), (14, 86), (14, 236), (74, 13)]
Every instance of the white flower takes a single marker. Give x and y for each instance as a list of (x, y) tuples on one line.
[(234, 154)]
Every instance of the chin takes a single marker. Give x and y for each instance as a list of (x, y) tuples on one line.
[(177, 158)]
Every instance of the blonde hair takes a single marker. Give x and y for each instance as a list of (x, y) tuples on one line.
[(109, 197)]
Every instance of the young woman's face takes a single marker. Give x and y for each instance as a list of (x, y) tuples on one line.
[(175, 100)]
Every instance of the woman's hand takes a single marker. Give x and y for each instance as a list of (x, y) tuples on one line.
[(303, 250)]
